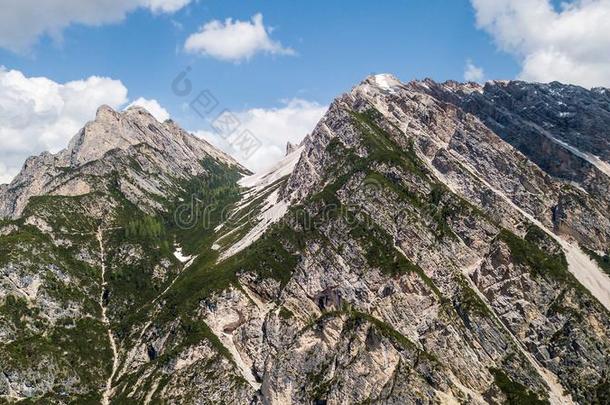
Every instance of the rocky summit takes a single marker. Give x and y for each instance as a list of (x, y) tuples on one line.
[(426, 243)]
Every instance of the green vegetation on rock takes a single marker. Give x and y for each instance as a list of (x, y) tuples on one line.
[(540, 263), (516, 393), (602, 261)]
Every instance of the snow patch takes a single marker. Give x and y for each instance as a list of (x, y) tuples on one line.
[(182, 258), (284, 167), (190, 261), (604, 167), (386, 82), (383, 82), (268, 217), (273, 208)]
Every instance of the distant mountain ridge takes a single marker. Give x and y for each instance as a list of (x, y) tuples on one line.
[(120, 134)]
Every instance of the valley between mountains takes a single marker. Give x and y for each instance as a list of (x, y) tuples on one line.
[(426, 243)]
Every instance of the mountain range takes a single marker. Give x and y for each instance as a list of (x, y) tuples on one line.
[(426, 243)]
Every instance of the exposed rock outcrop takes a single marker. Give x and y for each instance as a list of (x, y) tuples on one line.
[(424, 244)]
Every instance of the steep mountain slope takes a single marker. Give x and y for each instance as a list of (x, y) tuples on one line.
[(87, 246), (417, 247)]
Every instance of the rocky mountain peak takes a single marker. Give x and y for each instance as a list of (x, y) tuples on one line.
[(105, 112), (559, 127), (455, 174), (93, 151), (384, 82), (116, 130), (426, 243), (291, 147)]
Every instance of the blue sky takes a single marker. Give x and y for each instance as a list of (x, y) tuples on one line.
[(337, 44), (275, 64)]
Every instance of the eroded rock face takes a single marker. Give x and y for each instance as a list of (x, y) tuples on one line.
[(149, 156), (416, 249)]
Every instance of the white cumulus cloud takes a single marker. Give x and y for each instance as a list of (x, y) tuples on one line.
[(234, 40), (473, 73), (152, 106), (273, 128), (570, 44), (22, 22), (38, 114)]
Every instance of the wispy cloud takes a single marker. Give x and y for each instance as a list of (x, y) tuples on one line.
[(473, 73), (274, 128)]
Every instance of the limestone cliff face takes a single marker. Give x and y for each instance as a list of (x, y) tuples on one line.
[(417, 247), (112, 142)]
